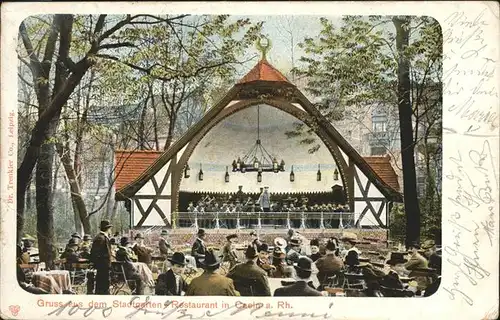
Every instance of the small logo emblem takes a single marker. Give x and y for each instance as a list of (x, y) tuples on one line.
[(14, 310)]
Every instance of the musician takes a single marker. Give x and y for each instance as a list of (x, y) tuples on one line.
[(143, 253), (123, 255), (191, 207), (301, 287), (163, 244), (315, 255), (240, 194), (263, 261), (249, 279), (101, 257), (265, 200), (329, 264), (199, 249), (171, 282), (255, 240), (228, 251)]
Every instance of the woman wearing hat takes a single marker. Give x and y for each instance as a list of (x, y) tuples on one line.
[(301, 287), (171, 282), (315, 254), (279, 263), (199, 249), (249, 279), (228, 252), (211, 283)]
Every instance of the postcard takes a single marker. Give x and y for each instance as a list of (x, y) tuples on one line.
[(258, 160)]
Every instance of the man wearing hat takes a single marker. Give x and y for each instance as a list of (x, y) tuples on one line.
[(265, 200), (292, 256), (255, 239), (329, 264), (142, 252), (87, 241), (101, 257), (70, 254), (171, 282), (417, 261), (163, 244), (349, 245), (211, 283), (123, 256), (249, 279), (434, 259), (228, 252), (301, 287), (315, 254), (198, 249), (263, 261)]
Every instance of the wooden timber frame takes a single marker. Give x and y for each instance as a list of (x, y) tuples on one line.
[(281, 95)]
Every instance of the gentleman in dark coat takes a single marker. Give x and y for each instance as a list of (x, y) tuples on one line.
[(300, 287), (228, 251), (143, 253), (292, 256), (210, 283), (249, 279), (123, 255), (101, 257), (329, 264), (171, 282), (199, 249), (163, 244)]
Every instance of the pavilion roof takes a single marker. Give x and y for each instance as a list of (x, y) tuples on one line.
[(263, 71), (129, 164)]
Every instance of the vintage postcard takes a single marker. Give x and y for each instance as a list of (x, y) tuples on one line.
[(258, 160)]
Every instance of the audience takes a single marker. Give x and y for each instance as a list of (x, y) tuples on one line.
[(301, 287), (171, 282), (249, 279), (330, 264)]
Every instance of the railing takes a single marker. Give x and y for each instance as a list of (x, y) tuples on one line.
[(239, 220)]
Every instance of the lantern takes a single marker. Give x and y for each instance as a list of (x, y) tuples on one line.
[(200, 174), (187, 171), (259, 176), (336, 175), (318, 175), (226, 177), (292, 176)]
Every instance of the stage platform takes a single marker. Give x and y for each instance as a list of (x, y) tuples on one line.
[(183, 236)]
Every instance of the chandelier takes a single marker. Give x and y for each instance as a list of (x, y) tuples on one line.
[(257, 158)]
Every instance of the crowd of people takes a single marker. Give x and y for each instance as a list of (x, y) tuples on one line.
[(324, 264)]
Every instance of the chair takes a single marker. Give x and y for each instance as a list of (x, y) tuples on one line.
[(78, 276), (118, 280)]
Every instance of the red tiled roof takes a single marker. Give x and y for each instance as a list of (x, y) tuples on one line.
[(382, 166), (130, 164), (263, 71)]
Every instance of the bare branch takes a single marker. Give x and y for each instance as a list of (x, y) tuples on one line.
[(117, 45)]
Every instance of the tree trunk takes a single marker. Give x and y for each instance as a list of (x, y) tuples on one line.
[(411, 203), (155, 119), (170, 135), (142, 125)]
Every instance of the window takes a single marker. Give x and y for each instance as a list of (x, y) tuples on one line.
[(377, 151)]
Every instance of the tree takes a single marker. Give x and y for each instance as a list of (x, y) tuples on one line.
[(374, 63)]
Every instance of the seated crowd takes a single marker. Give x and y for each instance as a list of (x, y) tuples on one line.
[(328, 264)]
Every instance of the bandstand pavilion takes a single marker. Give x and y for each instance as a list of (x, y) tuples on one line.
[(251, 123)]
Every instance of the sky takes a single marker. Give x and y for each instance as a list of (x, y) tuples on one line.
[(277, 28)]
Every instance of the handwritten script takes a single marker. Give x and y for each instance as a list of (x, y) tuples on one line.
[(174, 310)]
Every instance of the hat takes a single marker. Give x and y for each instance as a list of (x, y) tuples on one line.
[(231, 236), (210, 259), (253, 233), (280, 242), (278, 253), (201, 232), (105, 224), (295, 242), (76, 235), (87, 237), (250, 252), (414, 244), (331, 246), (396, 257), (178, 258), (139, 236), (314, 242), (263, 247), (164, 232), (352, 258), (303, 264), (428, 244), (124, 241)]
